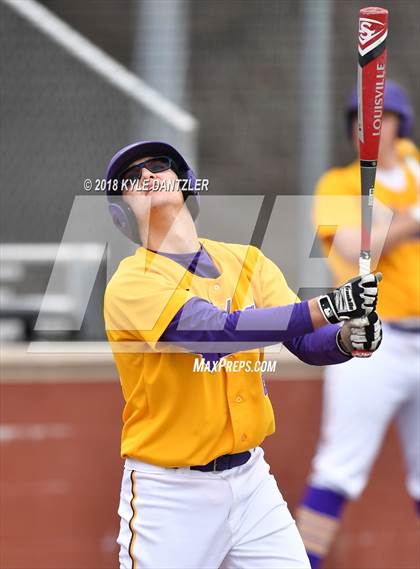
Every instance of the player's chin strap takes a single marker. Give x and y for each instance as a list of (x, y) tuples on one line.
[(124, 218)]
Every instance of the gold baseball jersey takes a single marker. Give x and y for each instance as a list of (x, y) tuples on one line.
[(175, 416), (337, 204)]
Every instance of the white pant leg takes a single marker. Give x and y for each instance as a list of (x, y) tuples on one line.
[(409, 414), (360, 399), (172, 518), (409, 429), (264, 534)]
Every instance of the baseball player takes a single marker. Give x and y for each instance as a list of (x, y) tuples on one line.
[(361, 398), (187, 319)]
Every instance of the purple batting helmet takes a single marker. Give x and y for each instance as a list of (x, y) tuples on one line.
[(395, 101), (122, 215)]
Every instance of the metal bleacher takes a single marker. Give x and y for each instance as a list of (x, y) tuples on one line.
[(28, 313)]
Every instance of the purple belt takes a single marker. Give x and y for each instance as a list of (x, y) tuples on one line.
[(224, 462)]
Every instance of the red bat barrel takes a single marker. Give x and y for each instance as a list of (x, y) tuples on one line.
[(373, 30)]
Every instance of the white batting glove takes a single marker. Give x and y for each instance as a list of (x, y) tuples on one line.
[(355, 298), (360, 334)]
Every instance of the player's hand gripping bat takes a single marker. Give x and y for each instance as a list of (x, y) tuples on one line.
[(373, 30)]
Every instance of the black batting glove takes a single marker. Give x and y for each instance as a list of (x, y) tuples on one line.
[(360, 334), (354, 299)]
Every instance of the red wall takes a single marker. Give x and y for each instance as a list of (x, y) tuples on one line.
[(60, 487)]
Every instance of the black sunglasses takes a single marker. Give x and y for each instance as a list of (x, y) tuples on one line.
[(158, 164)]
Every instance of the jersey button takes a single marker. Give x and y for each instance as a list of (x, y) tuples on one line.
[(243, 437), (238, 399), (216, 287)]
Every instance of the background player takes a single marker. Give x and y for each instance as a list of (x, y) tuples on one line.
[(196, 491), (361, 398)]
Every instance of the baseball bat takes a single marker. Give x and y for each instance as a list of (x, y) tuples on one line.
[(373, 31)]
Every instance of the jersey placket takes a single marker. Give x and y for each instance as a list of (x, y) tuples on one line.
[(237, 400)]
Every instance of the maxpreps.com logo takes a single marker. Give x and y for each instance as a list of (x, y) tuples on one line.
[(371, 34)]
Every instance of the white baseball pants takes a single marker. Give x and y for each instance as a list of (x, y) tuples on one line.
[(188, 519), (361, 397)]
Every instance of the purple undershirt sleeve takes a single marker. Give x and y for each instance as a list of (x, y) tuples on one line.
[(318, 348), (200, 327)]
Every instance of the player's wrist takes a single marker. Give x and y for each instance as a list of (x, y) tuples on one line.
[(316, 314), (327, 309)]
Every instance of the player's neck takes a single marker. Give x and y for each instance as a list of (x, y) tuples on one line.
[(177, 235)]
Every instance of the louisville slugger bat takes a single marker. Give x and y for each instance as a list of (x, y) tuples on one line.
[(373, 30)]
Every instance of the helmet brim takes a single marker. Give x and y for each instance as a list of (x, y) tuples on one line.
[(122, 159)]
